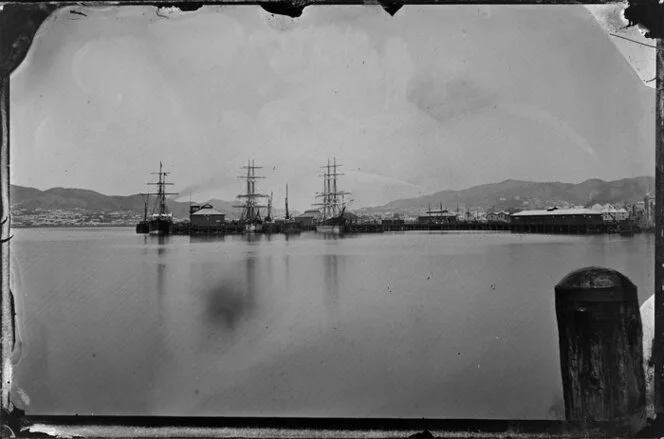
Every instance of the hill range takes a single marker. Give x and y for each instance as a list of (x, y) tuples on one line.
[(68, 199), (506, 195), (521, 195)]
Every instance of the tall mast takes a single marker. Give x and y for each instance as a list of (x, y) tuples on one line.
[(162, 192), (250, 191), (327, 190), (334, 188), (331, 192), (161, 189), (146, 198), (287, 215), (250, 206)]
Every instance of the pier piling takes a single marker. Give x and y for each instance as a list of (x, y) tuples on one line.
[(601, 351)]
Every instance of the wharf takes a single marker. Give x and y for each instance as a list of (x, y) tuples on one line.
[(565, 229), (573, 229), (224, 229)]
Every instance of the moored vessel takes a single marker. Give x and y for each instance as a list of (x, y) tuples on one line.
[(333, 205), (290, 226), (161, 221), (144, 226), (251, 217)]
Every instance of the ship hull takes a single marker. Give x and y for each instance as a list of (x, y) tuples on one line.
[(160, 227), (253, 228), (332, 225), (143, 227)]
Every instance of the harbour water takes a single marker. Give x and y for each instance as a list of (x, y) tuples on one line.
[(417, 324)]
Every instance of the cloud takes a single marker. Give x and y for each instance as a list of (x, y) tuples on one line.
[(445, 100), (556, 124), (415, 98)]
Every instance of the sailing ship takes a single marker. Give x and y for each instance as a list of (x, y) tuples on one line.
[(161, 221), (143, 226), (290, 225), (333, 205), (251, 218)]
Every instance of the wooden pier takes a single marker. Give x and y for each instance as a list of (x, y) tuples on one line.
[(575, 229), (564, 229)]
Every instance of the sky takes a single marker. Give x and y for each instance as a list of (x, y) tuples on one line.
[(433, 98)]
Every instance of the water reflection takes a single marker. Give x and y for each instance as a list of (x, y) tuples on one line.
[(207, 238), (287, 270), (161, 269), (232, 297), (331, 283), (253, 238), (98, 297)]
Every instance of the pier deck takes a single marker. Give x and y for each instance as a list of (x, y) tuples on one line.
[(578, 229)]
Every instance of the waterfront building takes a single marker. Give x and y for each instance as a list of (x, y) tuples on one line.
[(393, 222), (502, 216), (437, 217), (610, 213), (559, 217), (309, 217), (206, 216)]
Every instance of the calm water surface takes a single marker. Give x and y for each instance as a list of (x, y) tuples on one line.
[(434, 324)]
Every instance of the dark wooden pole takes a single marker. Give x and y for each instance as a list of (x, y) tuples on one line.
[(6, 311), (18, 26), (601, 351), (658, 346)]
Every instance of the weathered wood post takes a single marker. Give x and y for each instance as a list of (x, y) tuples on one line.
[(601, 351)]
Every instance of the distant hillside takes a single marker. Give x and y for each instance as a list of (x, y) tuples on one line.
[(67, 198), (516, 194), (508, 194)]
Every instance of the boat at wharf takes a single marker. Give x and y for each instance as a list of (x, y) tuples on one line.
[(290, 226), (160, 222), (333, 204), (144, 226), (250, 217)]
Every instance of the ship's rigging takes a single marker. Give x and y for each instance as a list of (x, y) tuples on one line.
[(160, 207), (333, 200), (251, 207)]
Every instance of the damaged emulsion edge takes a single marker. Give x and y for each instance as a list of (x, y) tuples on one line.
[(18, 27), (19, 23)]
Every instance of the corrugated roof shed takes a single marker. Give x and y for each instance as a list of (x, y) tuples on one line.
[(557, 212)]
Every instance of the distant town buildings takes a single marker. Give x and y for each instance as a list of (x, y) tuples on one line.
[(640, 213), (71, 218), (610, 213)]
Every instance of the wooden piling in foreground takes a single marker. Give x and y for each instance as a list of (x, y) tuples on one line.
[(601, 351)]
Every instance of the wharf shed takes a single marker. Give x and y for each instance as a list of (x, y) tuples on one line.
[(207, 217), (308, 218), (559, 217), (437, 217)]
